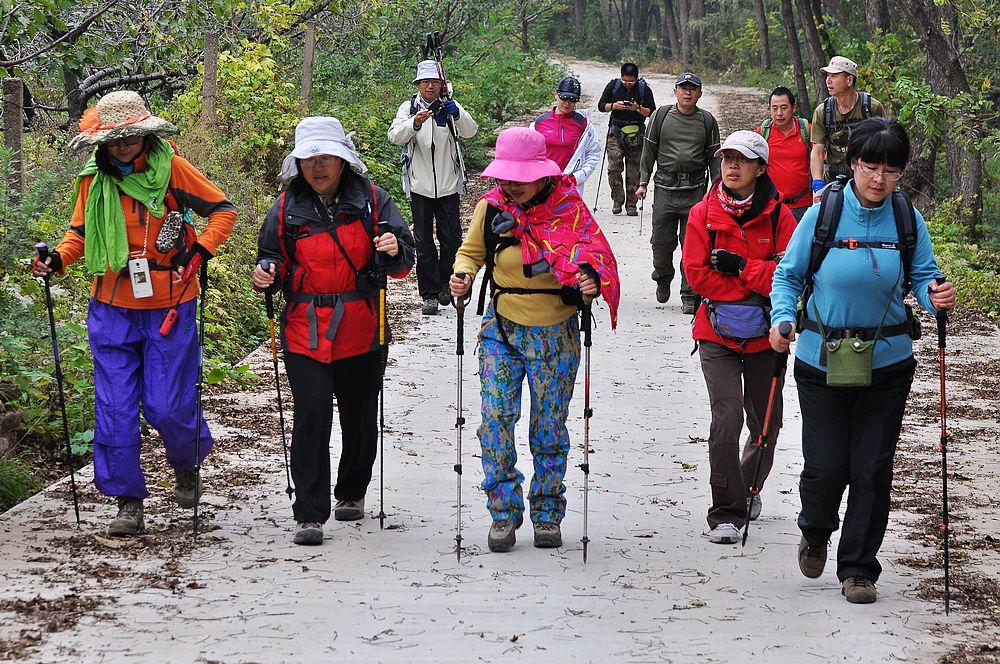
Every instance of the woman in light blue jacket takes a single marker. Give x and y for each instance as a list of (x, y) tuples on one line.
[(852, 410)]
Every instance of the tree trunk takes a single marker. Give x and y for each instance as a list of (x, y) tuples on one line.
[(209, 82), (13, 132), (698, 36), (580, 16), (668, 33), (75, 103), (946, 76), (877, 17), (765, 44), (816, 56), (788, 18), (685, 19), (824, 35), (308, 50)]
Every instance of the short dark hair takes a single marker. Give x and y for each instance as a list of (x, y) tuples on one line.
[(782, 91), (879, 141), (630, 69)]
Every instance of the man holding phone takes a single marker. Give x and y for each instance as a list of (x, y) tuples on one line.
[(428, 128), (630, 102)]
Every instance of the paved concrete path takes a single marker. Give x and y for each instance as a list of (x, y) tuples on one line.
[(654, 589)]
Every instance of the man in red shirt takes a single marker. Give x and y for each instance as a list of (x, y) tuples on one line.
[(787, 138)]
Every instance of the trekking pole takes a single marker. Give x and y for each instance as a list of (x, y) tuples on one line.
[(642, 208), (600, 171), (942, 324), (267, 265), (384, 350), (587, 414), (43, 255), (199, 384), (459, 303), (780, 361)]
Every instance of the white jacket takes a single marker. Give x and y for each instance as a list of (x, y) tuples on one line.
[(434, 167), (587, 155)]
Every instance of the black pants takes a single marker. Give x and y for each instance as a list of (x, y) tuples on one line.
[(433, 270), (355, 383), (849, 437), (737, 383)]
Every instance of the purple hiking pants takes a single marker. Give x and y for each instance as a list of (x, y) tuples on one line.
[(134, 364)]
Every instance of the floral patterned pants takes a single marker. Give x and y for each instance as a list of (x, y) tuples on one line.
[(549, 357)]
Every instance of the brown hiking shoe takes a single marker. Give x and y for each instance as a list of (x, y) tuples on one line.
[(129, 521), (547, 535), (349, 510), (184, 487), (688, 306), (308, 533), (858, 590), (812, 559), (502, 535), (662, 293)]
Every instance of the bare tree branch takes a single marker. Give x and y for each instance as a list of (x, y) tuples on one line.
[(69, 35)]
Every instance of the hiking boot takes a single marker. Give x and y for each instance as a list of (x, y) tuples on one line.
[(724, 533), (812, 559), (617, 209), (755, 506), (662, 293), (632, 212), (688, 306), (444, 298), (502, 535), (308, 533), (858, 590), (547, 535), (430, 306), (349, 510), (184, 487), (129, 521)]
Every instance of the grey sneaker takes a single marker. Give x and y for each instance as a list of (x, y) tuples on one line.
[(430, 306), (184, 487), (502, 535), (309, 533), (662, 293), (129, 521), (755, 506), (858, 590), (444, 298), (724, 533), (349, 510), (812, 559), (547, 535)]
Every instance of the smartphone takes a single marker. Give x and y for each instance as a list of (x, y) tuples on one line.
[(435, 105)]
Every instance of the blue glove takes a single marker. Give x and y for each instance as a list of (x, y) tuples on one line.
[(441, 117), (817, 185), (451, 108)]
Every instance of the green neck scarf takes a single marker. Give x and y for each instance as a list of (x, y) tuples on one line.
[(106, 240)]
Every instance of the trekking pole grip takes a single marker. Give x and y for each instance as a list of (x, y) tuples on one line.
[(43, 254), (459, 303), (266, 265), (941, 316), (784, 329), (586, 319)]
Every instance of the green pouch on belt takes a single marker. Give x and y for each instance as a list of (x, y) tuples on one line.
[(632, 135), (849, 362)]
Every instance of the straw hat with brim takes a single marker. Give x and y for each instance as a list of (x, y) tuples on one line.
[(118, 115), (317, 136), (520, 157)]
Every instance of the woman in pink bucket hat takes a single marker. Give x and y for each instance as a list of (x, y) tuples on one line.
[(545, 257)]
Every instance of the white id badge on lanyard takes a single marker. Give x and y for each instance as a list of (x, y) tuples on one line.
[(138, 272)]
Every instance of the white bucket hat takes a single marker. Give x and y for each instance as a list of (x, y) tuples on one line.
[(750, 144), (841, 65), (426, 69), (317, 136)]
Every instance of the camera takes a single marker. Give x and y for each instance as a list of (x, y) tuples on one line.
[(435, 105)]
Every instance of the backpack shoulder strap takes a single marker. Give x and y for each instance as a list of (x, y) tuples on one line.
[(765, 128), (866, 104), (906, 229), (830, 207), (618, 86), (828, 113), (804, 130), (490, 239), (413, 104), (774, 224)]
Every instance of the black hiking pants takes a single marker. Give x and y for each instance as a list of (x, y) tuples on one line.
[(849, 437), (434, 269), (354, 381)]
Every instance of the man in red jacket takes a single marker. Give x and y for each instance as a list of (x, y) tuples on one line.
[(787, 137)]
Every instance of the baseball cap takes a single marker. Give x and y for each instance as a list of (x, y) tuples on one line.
[(748, 143), (688, 77), (841, 65)]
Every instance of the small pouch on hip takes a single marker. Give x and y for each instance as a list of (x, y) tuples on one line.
[(849, 362), (632, 135)]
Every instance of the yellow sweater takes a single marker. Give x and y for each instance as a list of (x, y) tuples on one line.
[(537, 309)]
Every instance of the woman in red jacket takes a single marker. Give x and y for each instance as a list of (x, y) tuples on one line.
[(735, 237), (328, 238)]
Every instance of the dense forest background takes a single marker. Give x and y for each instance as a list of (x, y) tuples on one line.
[(929, 61)]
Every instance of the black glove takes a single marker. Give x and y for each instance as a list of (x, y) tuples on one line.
[(55, 262), (727, 262), (189, 262)]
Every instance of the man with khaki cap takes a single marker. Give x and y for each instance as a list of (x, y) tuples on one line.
[(833, 121), (428, 127)]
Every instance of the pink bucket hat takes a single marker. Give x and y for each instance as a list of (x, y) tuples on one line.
[(520, 157)]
